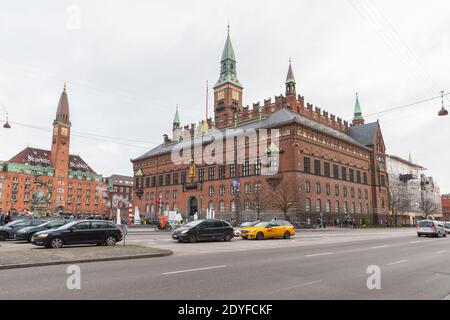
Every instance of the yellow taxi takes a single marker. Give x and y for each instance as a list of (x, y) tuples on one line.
[(269, 230)]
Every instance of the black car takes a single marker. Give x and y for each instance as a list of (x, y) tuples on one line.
[(8, 231), (26, 233), (79, 232), (204, 230)]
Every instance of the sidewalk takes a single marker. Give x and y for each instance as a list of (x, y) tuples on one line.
[(45, 257)]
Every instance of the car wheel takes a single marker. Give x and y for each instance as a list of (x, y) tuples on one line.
[(227, 238), (260, 236), (192, 238), (3, 236), (110, 241), (29, 238), (419, 235), (56, 243), (287, 235)]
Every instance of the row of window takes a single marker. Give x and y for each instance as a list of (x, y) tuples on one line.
[(206, 174), (333, 171), (337, 190), (309, 206)]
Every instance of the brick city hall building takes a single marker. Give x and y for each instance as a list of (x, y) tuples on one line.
[(49, 181), (324, 166)]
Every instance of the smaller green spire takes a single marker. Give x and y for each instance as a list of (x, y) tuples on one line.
[(358, 111), (176, 119), (290, 79)]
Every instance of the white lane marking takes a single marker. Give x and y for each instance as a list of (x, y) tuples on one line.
[(414, 242), (297, 286), (441, 252), (397, 262), (380, 247), (193, 270), (319, 254)]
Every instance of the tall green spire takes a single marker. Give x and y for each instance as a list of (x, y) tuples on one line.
[(290, 79), (358, 112), (228, 72), (176, 119)]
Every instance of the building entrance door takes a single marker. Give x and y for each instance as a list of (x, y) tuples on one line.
[(193, 206)]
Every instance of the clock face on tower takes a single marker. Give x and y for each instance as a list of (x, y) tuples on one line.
[(64, 131), (220, 95), (235, 95)]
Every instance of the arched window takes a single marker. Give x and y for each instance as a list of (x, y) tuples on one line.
[(308, 205), (152, 208), (318, 205), (167, 207), (353, 207), (345, 207), (336, 207), (233, 206), (360, 208), (211, 205), (222, 206), (175, 208), (147, 208), (328, 206)]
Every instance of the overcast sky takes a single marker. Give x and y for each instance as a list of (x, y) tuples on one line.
[(131, 62)]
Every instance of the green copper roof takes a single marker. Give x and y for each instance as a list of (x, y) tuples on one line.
[(358, 111), (228, 52), (176, 119), (290, 76), (228, 72)]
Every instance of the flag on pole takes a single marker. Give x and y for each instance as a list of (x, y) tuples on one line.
[(130, 213)]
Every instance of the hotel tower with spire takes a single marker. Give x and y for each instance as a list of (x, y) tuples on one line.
[(52, 181)]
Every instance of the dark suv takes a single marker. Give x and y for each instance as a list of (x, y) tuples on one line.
[(204, 230), (79, 232)]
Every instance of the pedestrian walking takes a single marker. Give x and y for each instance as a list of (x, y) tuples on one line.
[(2, 217)]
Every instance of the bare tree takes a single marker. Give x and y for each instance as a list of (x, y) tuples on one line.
[(399, 201), (261, 199), (427, 204), (284, 195)]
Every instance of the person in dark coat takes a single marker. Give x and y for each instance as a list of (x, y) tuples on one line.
[(7, 219)]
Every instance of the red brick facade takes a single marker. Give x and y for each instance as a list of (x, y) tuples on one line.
[(446, 206), (339, 169)]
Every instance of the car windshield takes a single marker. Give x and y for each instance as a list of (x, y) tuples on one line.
[(426, 224), (13, 223), (193, 223), (45, 224), (262, 224), (69, 225), (248, 224), (447, 225)]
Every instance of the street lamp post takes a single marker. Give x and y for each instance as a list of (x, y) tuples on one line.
[(6, 125), (443, 112)]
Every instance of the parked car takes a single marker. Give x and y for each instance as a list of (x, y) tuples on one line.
[(303, 225), (79, 232), (446, 226), (268, 230), (430, 228), (8, 231), (26, 233), (237, 230), (204, 230)]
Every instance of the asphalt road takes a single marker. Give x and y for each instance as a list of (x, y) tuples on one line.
[(314, 265)]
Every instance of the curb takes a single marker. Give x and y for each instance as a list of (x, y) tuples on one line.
[(163, 253)]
